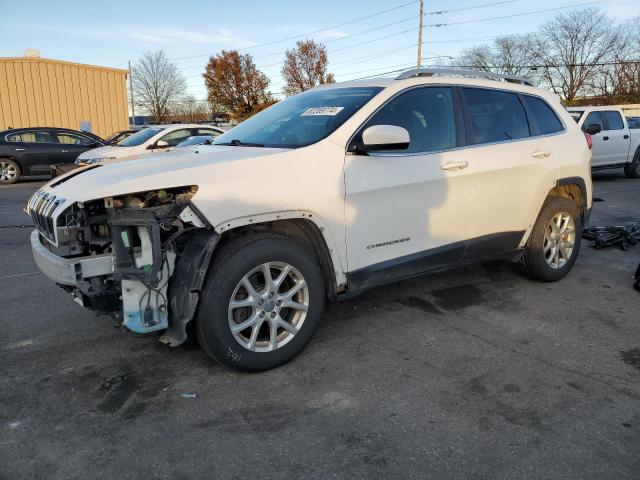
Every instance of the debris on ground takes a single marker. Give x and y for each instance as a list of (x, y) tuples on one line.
[(623, 236), (109, 382), (188, 395)]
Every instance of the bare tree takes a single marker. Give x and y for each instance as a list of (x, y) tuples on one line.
[(157, 83), (305, 66), (572, 48), (190, 110), (235, 85), (509, 55), (619, 82)]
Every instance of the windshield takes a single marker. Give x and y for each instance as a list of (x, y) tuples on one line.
[(300, 120), (140, 137)]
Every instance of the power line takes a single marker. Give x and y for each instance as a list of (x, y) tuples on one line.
[(437, 12), (315, 31), (516, 14)]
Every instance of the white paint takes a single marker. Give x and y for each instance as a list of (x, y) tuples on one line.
[(616, 149)]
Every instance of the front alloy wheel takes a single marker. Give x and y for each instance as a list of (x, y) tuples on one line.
[(261, 303), (268, 307)]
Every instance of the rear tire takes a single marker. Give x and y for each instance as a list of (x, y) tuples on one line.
[(277, 323), (554, 243), (632, 170), (9, 171)]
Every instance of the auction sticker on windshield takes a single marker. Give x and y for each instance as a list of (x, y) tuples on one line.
[(331, 111)]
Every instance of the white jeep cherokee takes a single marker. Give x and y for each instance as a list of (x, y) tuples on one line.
[(324, 195)]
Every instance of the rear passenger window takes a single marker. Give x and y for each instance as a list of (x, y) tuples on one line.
[(614, 120), (30, 137), (545, 121), (495, 116)]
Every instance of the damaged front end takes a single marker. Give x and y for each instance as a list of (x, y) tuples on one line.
[(141, 257)]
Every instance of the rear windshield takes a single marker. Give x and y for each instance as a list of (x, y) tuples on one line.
[(140, 137)]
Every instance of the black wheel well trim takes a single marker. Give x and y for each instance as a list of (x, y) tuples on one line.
[(578, 181), (310, 236)]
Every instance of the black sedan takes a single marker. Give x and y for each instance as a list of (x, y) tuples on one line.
[(32, 151)]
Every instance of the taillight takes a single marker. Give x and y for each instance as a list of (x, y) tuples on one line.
[(589, 140)]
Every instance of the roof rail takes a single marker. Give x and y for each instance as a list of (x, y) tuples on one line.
[(429, 72)]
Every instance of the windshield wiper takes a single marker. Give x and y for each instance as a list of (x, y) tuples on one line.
[(237, 143)]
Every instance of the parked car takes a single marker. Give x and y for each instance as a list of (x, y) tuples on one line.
[(326, 194), (120, 135), (153, 138), (615, 145), (32, 151)]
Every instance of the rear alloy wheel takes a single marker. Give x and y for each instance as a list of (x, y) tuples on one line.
[(559, 240), (9, 171), (554, 241), (261, 302)]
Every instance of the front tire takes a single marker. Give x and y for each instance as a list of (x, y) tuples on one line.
[(261, 304), (632, 170), (554, 243), (9, 171)]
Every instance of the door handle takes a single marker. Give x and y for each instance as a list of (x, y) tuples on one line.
[(541, 154), (454, 165), (19, 149), (65, 151), (605, 138), (626, 137)]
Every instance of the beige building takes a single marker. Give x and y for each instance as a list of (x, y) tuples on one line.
[(39, 92)]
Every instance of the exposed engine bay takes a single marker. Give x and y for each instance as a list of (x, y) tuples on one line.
[(142, 236)]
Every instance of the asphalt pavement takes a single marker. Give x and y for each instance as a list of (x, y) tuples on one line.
[(477, 373)]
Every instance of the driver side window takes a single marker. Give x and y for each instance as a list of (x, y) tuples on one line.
[(428, 114)]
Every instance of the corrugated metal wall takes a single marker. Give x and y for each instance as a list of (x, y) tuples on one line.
[(38, 92)]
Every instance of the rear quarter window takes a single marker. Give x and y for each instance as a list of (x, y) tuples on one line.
[(545, 121)]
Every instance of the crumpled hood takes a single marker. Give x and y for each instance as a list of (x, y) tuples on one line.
[(157, 171), (106, 151)]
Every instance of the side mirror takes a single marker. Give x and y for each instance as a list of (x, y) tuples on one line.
[(159, 144), (593, 129), (384, 137)]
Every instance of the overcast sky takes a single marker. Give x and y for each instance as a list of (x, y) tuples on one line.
[(111, 33)]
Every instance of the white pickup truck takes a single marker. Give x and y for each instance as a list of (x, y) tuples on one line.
[(614, 143)]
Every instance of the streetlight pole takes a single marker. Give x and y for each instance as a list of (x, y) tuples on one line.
[(420, 34), (133, 105)]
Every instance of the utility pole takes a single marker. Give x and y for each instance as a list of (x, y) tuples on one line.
[(420, 34), (133, 105)]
